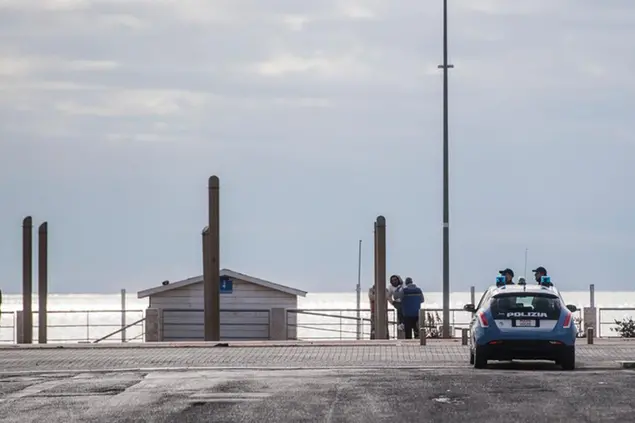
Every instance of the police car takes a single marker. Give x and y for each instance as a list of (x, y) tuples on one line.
[(525, 322)]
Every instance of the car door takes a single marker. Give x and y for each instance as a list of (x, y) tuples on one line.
[(484, 300)]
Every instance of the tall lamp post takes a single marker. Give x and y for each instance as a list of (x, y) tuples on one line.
[(446, 202)]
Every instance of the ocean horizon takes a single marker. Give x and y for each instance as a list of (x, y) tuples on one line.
[(313, 300), (86, 317)]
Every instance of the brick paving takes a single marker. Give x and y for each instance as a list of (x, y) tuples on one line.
[(257, 356)]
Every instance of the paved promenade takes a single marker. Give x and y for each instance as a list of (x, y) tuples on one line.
[(294, 382), (396, 354), (520, 395)]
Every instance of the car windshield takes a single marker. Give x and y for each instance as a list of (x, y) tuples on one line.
[(526, 302)]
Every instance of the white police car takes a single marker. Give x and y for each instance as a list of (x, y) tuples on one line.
[(526, 322)]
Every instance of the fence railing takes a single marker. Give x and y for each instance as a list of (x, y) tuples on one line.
[(7, 327), (238, 324), (341, 324), (123, 330), (606, 320), (64, 326), (327, 324), (304, 324)]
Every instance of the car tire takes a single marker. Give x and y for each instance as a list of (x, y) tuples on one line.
[(567, 361), (471, 356), (480, 359)]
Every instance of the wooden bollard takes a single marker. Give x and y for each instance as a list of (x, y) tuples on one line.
[(589, 336)]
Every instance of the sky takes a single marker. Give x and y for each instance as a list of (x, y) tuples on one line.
[(317, 117)]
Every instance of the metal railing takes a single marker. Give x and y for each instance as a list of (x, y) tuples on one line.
[(303, 324), (606, 320), (328, 324), (7, 327), (341, 324), (122, 330), (238, 324), (66, 326)]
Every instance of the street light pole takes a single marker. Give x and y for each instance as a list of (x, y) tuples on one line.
[(525, 272), (446, 200)]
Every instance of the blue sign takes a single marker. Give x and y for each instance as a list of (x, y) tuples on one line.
[(226, 285)]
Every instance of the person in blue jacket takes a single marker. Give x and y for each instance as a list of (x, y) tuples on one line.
[(410, 305)]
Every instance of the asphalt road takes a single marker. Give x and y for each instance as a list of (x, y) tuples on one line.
[(504, 393)]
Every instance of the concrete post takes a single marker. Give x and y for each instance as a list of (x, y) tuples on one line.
[(42, 285), (19, 327), (472, 296), (592, 295), (212, 283), (589, 317), (123, 315), (152, 325), (381, 308), (27, 280), (422, 327), (278, 324)]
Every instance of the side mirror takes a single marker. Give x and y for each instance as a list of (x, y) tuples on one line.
[(469, 307), (572, 308)]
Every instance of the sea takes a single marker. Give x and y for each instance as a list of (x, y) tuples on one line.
[(89, 317)]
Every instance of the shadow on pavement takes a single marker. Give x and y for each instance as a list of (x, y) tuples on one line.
[(524, 365)]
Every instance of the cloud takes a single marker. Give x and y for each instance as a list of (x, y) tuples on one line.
[(319, 116)]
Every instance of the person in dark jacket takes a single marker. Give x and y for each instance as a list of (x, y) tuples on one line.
[(395, 288), (539, 272), (509, 276), (410, 305)]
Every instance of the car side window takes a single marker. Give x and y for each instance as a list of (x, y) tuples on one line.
[(484, 299)]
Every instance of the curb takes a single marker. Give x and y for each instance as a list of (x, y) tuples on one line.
[(267, 344), (231, 369), (581, 368), (215, 344)]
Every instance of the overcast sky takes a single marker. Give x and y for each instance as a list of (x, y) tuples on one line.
[(317, 116)]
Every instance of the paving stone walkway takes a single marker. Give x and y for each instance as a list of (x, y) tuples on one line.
[(309, 356)]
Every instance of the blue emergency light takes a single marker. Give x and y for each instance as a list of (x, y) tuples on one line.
[(500, 280), (545, 281)]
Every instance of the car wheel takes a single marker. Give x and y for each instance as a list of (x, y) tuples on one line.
[(567, 361), (480, 359), (471, 356)]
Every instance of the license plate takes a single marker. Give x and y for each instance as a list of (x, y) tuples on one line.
[(525, 323)]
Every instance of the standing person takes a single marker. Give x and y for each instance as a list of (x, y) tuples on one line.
[(396, 287), (410, 306), (509, 276), (539, 272), (371, 298)]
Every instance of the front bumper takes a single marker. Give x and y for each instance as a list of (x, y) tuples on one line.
[(524, 350)]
